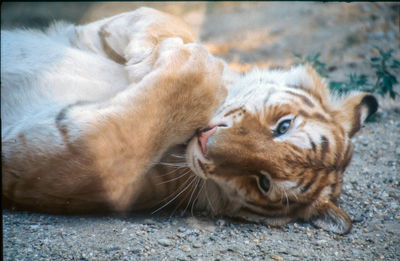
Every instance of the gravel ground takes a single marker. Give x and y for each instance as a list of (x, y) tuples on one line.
[(245, 34)]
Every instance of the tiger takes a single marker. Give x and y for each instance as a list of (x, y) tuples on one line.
[(131, 113)]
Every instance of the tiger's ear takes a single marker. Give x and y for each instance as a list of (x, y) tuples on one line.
[(355, 109), (332, 218)]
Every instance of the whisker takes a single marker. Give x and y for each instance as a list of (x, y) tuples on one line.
[(173, 164), (178, 156), (209, 202), (172, 171), (191, 195), (287, 199), (169, 202), (281, 195), (292, 193), (176, 191), (178, 206), (184, 174), (197, 197), (180, 186)]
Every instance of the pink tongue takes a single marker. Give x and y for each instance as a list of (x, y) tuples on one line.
[(204, 137)]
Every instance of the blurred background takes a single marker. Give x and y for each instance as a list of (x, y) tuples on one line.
[(248, 34)]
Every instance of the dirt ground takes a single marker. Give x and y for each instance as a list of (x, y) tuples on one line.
[(245, 35)]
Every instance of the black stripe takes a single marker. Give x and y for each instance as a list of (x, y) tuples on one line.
[(306, 100), (320, 117), (233, 111), (300, 175), (306, 187), (311, 182), (347, 156), (324, 147), (333, 190), (314, 148)]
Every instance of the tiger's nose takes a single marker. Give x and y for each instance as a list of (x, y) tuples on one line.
[(203, 135)]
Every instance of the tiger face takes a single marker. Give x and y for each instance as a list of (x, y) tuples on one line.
[(278, 147)]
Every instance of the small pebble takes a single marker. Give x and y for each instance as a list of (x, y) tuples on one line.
[(149, 222), (165, 242), (181, 229), (220, 222), (185, 248), (180, 235), (277, 258), (196, 245)]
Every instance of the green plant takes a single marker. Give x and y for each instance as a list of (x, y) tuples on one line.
[(385, 79), (355, 82), (313, 60), (382, 64)]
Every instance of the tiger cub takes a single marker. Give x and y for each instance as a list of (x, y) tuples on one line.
[(130, 113)]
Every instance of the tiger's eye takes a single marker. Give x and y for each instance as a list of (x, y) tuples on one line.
[(264, 183), (283, 127)]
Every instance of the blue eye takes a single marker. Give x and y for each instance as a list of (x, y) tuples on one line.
[(282, 128)]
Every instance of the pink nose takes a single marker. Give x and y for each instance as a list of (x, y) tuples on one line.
[(203, 136)]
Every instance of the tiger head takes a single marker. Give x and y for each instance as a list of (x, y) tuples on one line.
[(278, 147)]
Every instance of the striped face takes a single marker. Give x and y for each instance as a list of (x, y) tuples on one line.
[(278, 147)]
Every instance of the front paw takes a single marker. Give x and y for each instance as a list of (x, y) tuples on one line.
[(269, 221), (193, 77)]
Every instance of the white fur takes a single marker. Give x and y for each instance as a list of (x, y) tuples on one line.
[(251, 90), (42, 73)]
